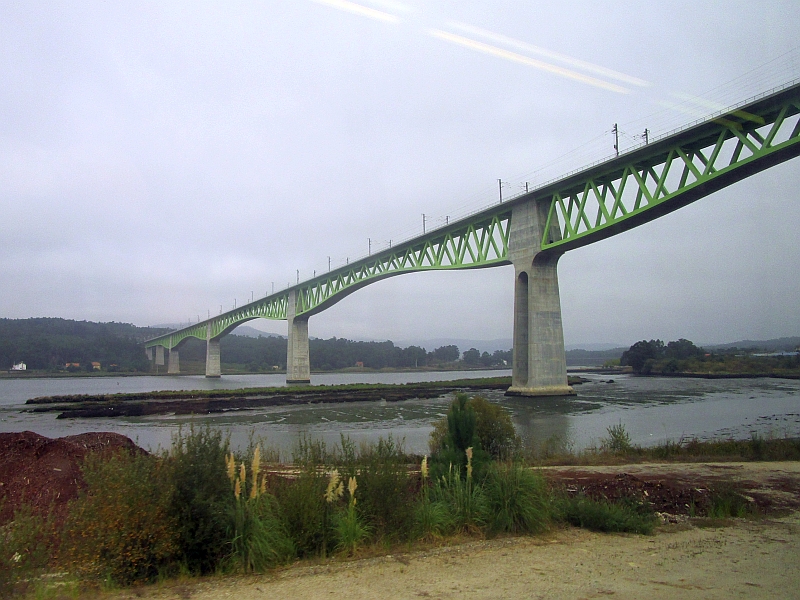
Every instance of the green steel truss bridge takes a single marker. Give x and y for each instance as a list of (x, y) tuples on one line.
[(533, 230)]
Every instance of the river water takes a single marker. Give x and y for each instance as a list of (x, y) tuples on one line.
[(652, 409)]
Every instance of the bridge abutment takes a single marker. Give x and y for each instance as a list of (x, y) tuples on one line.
[(298, 365), (213, 366), (174, 365), (539, 363)]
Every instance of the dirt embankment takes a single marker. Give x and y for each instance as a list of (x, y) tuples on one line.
[(45, 473)]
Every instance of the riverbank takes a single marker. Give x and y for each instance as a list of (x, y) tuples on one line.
[(688, 558)]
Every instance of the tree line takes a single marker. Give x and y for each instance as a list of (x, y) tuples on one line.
[(265, 352), (51, 343)]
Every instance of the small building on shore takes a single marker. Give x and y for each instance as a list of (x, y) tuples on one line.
[(20, 366)]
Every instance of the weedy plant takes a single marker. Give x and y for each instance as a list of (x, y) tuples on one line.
[(519, 499), (618, 440), (27, 547), (350, 530), (120, 528), (260, 539), (432, 518), (604, 516), (202, 502), (466, 501)]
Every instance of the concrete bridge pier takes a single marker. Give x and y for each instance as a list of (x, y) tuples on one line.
[(148, 352), (213, 367), (298, 365), (160, 355), (540, 367), (174, 365)]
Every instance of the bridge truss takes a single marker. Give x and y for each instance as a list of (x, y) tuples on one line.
[(595, 203)]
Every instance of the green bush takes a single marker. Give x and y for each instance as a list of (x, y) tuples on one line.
[(349, 528), (494, 429), (462, 421), (518, 499), (465, 499), (386, 493), (604, 516), (203, 503), (303, 507), (120, 528), (618, 440), (260, 539), (27, 547)]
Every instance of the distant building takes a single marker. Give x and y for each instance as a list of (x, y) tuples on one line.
[(76, 365), (360, 364), (96, 366), (20, 366)]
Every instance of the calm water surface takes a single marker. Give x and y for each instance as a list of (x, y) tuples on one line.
[(652, 410)]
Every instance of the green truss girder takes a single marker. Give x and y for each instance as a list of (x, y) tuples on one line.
[(658, 178), (585, 207), (475, 242)]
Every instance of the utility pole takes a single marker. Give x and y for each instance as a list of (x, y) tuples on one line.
[(298, 275), (220, 309), (390, 243), (315, 272), (615, 131), (329, 264), (526, 187), (447, 219), (209, 314), (273, 287), (500, 187), (423, 223), (369, 251), (252, 295), (646, 136)]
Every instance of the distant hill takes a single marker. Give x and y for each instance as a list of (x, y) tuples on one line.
[(50, 343), (489, 346), (774, 345)]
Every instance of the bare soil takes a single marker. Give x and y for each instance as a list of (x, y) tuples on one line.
[(46, 473)]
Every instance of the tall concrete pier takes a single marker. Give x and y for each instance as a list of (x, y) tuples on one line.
[(298, 365), (539, 364), (213, 368), (174, 364)]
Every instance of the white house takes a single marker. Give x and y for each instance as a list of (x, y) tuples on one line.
[(21, 366)]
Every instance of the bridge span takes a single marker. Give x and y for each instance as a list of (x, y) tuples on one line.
[(531, 232)]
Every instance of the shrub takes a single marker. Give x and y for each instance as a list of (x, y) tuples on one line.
[(597, 515), (260, 538), (120, 528), (618, 440), (349, 528), (203, 503), (386, 494), (431, 518), (518, 499), (461, 434), (304, 510), (466, 502), (27, 547), (494, 429)]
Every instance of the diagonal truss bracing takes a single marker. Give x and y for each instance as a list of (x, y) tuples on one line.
[(585, 207), (666, 175), (477, 242)]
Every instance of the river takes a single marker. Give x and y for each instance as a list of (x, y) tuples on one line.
[(652, 409)]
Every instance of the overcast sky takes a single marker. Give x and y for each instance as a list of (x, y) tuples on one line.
[(159, 160)]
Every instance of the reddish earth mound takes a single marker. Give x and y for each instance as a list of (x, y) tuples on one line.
[(45, 473), (663, 495)]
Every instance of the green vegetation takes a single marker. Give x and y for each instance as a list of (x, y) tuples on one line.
[(617, 448), (49, 344), (682, 357), (200, 508)]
